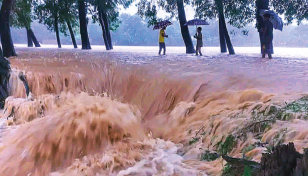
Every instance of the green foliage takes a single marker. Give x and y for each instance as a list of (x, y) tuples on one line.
[(209, 156), (247, 171), (49, 11), (292, 9), (148, 10), (299, 106), (239, 13), (227, 170), (21, 14), (225, 147), (193, 140), (111, 8)]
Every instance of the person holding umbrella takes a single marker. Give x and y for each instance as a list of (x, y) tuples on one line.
[(271, 21), (198, 36), (162, 34), (162, 44), (267, 36)]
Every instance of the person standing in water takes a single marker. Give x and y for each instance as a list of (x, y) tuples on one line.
[(198, 36), (267, 36), (162, 36)]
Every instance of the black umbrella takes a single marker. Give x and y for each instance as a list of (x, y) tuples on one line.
[(274, 18), (196, 22), (162, 24)]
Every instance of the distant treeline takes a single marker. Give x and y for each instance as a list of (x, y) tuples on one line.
[(133, 31)]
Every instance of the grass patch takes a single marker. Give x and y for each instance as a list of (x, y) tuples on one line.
[(299, 106), (247, 171), (224, 148), (209, 156), (227, 170), (193, 140)]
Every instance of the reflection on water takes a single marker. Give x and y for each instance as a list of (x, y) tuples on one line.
[(137, 113)]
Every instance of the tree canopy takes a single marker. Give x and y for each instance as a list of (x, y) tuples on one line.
[(239, 13), (22, 15)]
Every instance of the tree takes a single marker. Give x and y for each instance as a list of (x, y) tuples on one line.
[(5, 69), (207, 9), (106, 13), (291, 9), (47, 13), (68, 15), (83, 23), (184, 29), (6, 39), (173, 7), (224, 35), (22, 18), (7, 43)]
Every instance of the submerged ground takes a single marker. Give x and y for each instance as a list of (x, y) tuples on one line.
[(132, 112)]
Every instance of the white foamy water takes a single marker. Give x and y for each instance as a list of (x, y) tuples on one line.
[(164, 161), (160, 95)]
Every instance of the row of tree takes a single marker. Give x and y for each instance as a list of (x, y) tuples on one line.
[(61, 16), (140, 35)]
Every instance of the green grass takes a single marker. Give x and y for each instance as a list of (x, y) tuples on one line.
[(299, 106), (193, 140), (225, 147), (247, 171), (227, 170), (209, 156)]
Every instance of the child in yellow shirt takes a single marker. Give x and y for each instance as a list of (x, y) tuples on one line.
[(162, 36)]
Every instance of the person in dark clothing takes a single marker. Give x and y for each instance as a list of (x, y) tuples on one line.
[(267, 36), (198, 36)]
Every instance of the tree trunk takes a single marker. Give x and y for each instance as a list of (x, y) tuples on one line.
[(36, 43), (224, 26), (6, 39), (83, 25), (227, 37), (104, 33), (4, 79), (104, 28), (57, 32), (107, 27), (184, 29), (223, 46), (71, 33), (30, 42), (261, 4)]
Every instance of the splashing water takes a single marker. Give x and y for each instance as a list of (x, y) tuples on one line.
[(96, 117)]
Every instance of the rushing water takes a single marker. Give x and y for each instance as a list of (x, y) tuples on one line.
[(132, 112)]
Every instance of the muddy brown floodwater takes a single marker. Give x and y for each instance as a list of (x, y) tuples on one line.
[(126, 113)]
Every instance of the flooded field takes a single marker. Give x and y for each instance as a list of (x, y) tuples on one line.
[(132, 112)]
